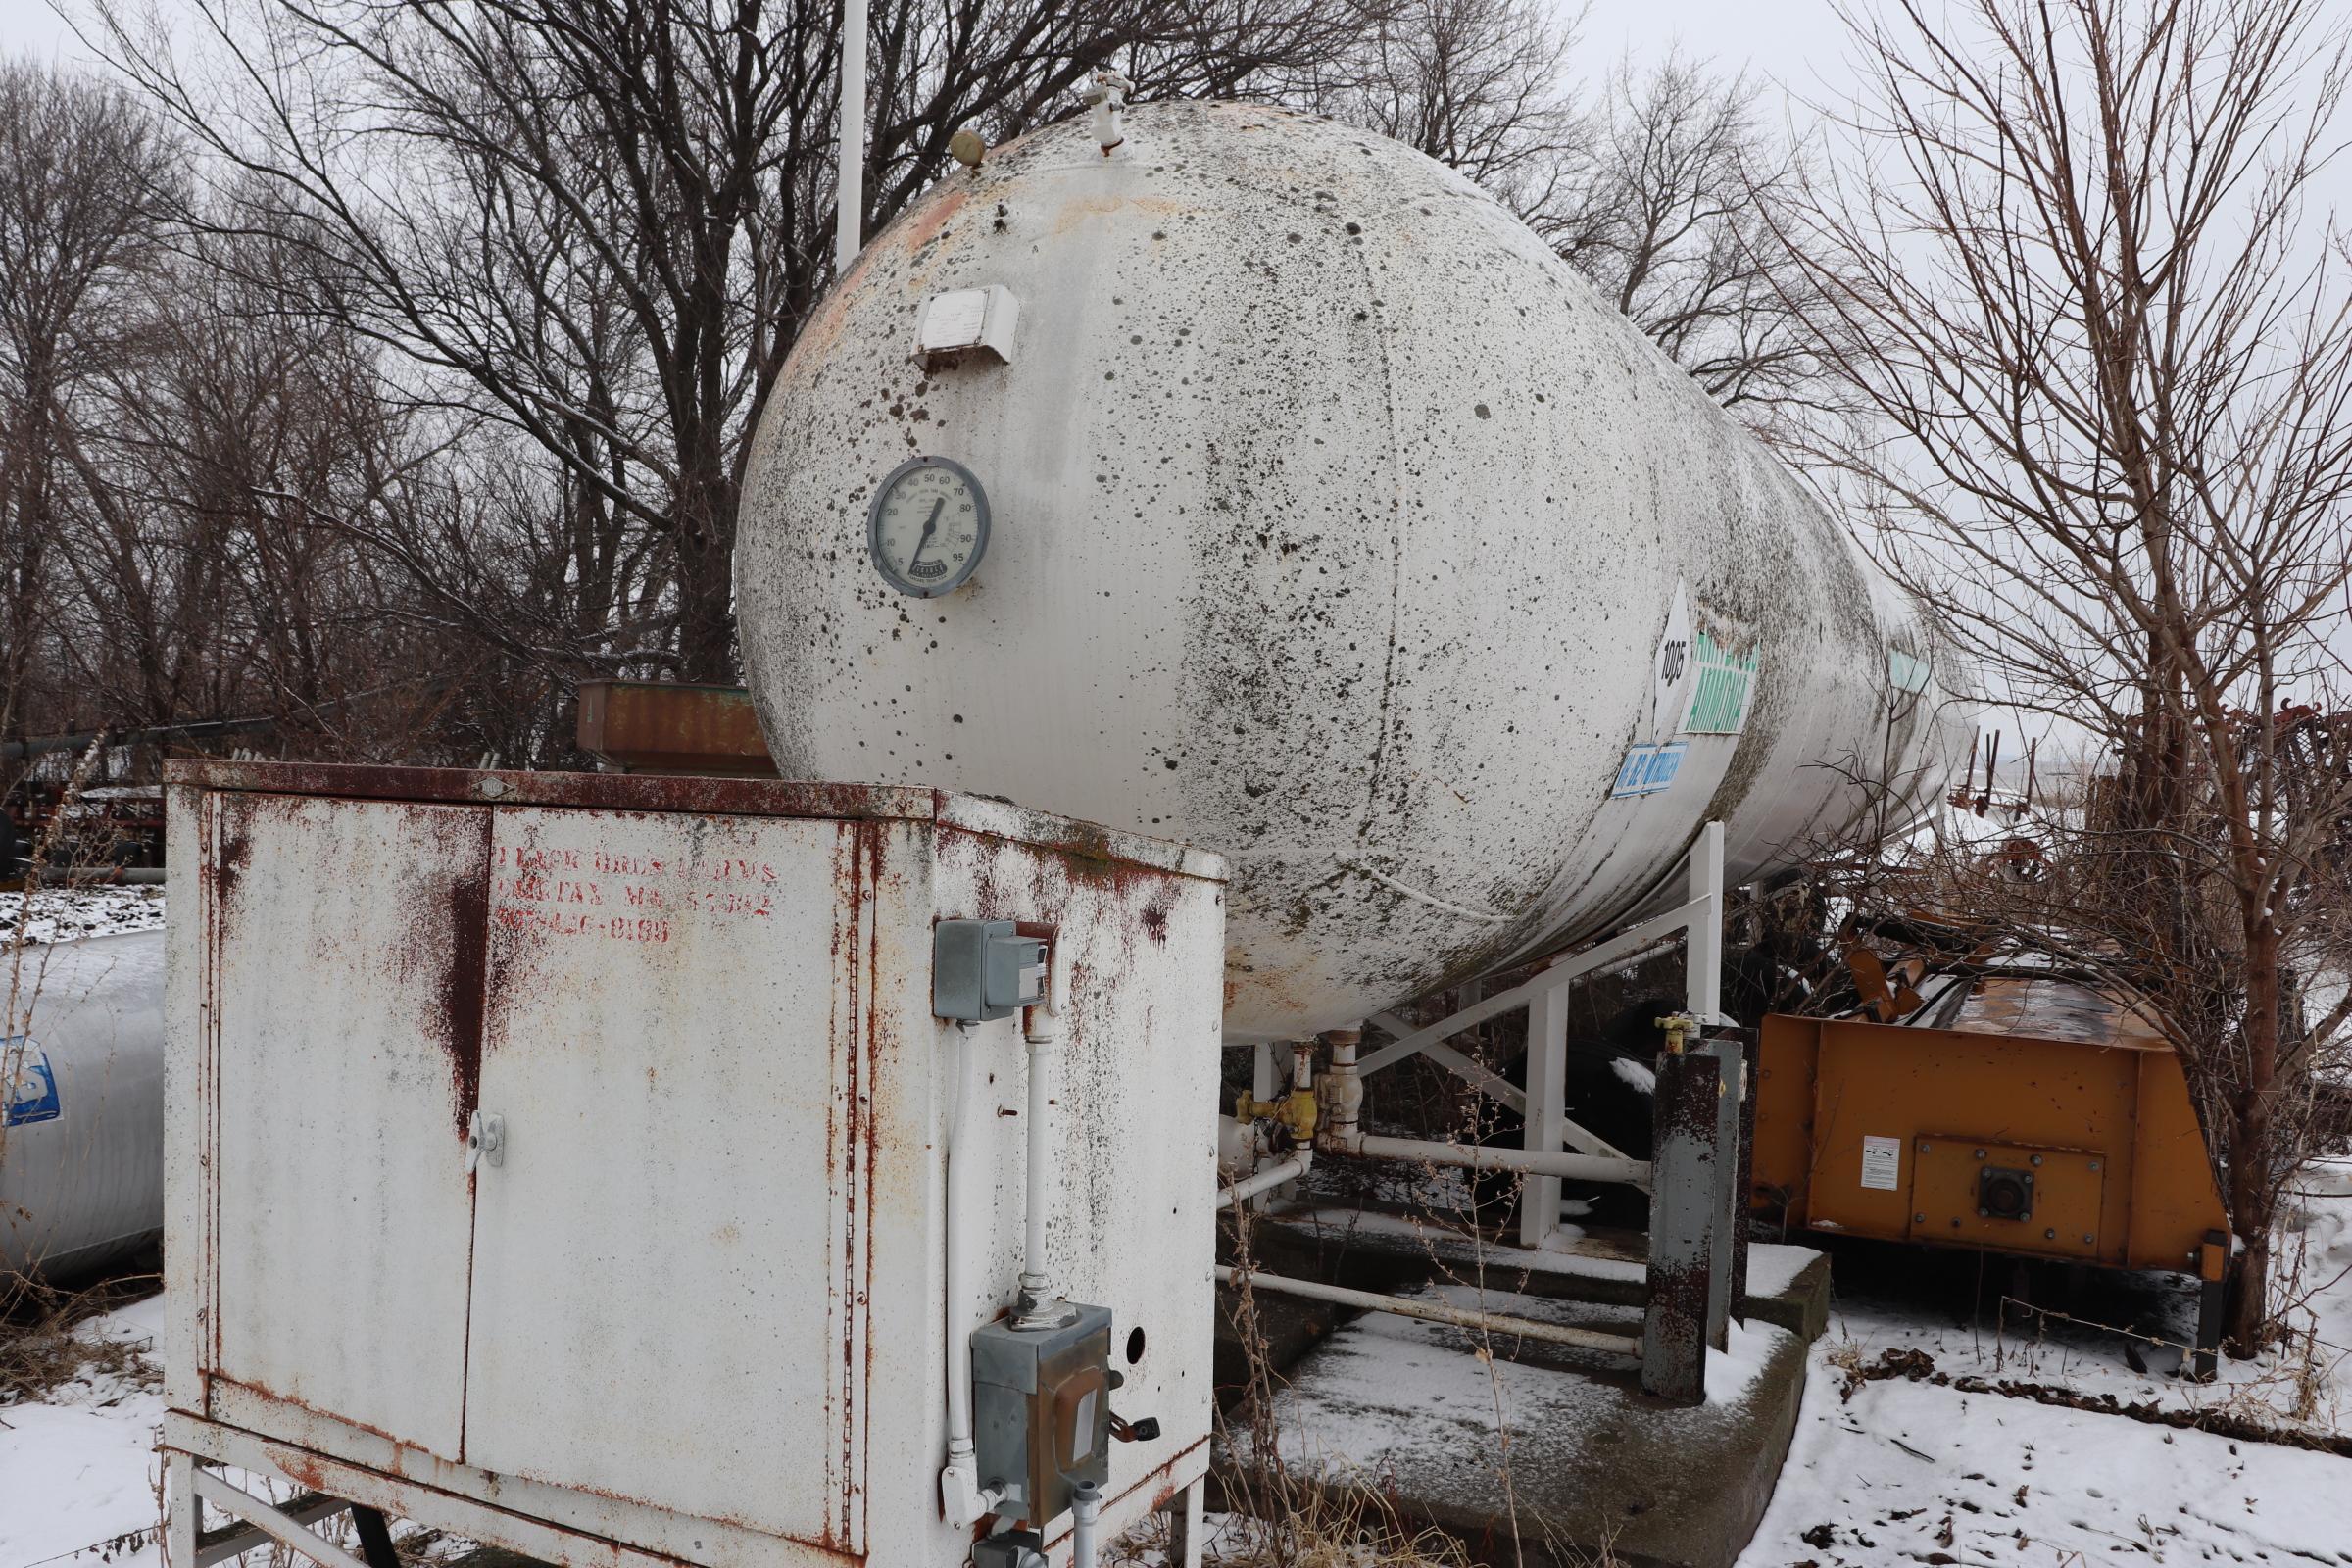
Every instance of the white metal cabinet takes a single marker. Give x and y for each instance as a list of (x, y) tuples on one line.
[(667, 1225), (340, 1007), (692, 1310)]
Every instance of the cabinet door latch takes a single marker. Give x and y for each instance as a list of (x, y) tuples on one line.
[(485, 1140)]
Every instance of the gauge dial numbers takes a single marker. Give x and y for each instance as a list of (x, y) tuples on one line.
[(927, 527)]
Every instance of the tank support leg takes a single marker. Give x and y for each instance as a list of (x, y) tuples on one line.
[(1686, 1212), (179, 1510), (375, 1538), (1547, 1121), (1186, 1532)]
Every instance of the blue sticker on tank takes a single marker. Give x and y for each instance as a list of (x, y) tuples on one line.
[(1648, 770), (29, 1082)]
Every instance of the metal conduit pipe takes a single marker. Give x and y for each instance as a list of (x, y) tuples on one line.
[(1267, 1179), (1478, 1157), (961, 1498), (1086, 1508), (1041, 1306), (1431, 1312)]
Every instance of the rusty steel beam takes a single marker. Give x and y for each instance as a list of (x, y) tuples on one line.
[(644, 726), (1725, 1255), (1684, 1215)]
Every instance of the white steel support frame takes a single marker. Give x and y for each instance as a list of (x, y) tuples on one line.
[(186, 1488), (1696, 923)]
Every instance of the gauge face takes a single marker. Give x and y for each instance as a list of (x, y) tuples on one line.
[(928, 526)]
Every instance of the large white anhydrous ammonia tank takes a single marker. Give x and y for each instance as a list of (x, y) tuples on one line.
[(1327, 519), (82, 1103)]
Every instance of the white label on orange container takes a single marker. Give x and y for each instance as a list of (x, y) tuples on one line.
[(1881, 1163)]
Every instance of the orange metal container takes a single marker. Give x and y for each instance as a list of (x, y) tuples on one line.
[(2040, 1119)]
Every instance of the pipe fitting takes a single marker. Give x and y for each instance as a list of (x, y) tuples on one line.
[(1680, 1027), (1342, 1090), (1294, 1111)]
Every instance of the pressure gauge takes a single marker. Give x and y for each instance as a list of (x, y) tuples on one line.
[(928, 526)]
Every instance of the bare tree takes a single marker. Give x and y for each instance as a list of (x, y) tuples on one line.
[(2109, 360), (79, 166), (1483, 86), (601, 223), (1678, 219)]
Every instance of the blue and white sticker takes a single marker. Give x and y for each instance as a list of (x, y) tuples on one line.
[(29, 1083), (1650, 769)]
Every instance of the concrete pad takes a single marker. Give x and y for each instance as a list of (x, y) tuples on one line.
[(1532, 1452)]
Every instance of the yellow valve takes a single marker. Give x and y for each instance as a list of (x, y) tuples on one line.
[(1294, 1111), (1679, 1027)]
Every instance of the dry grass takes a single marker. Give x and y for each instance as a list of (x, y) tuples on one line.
[(42, 1348)]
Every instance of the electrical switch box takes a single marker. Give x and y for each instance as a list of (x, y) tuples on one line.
[(984, 970), (1041, 1410)]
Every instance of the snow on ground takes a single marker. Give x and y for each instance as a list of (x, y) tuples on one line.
[(1908, 1471), (61, 914), (2305, 1383), (78, 1473)]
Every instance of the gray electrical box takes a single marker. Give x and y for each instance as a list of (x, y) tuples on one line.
[(1041, 1411), (984, 970)]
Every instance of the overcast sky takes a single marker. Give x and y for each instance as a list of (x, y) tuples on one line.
[(1794, 40)]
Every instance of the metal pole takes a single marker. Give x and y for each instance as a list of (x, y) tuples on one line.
[(1684, 1212), (1430, 1312), (849, 222)]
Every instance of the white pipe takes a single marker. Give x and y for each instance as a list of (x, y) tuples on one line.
[(1431, 1312), (1267, 1179), (1039, 1305), (849, 186), (958, 1480), (1086, 1507), (1477, 1157)]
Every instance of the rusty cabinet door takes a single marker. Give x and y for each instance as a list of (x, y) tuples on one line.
[(343, 945), (669, 1256)]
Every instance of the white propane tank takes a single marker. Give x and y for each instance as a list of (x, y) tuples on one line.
[(1315, 512), (82, 1104)]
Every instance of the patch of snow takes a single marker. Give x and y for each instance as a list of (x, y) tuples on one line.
[(1773, 1266), (1732, 1371), (68, 913), (80, 1467), (1910, 1472)]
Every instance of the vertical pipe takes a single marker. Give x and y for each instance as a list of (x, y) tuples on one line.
[(958, 1285), (1086, 1507), (1036, 1283), (849, 186)]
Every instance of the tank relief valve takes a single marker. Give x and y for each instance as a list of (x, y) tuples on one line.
[(1109, 96), (1680, 1028), (1293, 1112)]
